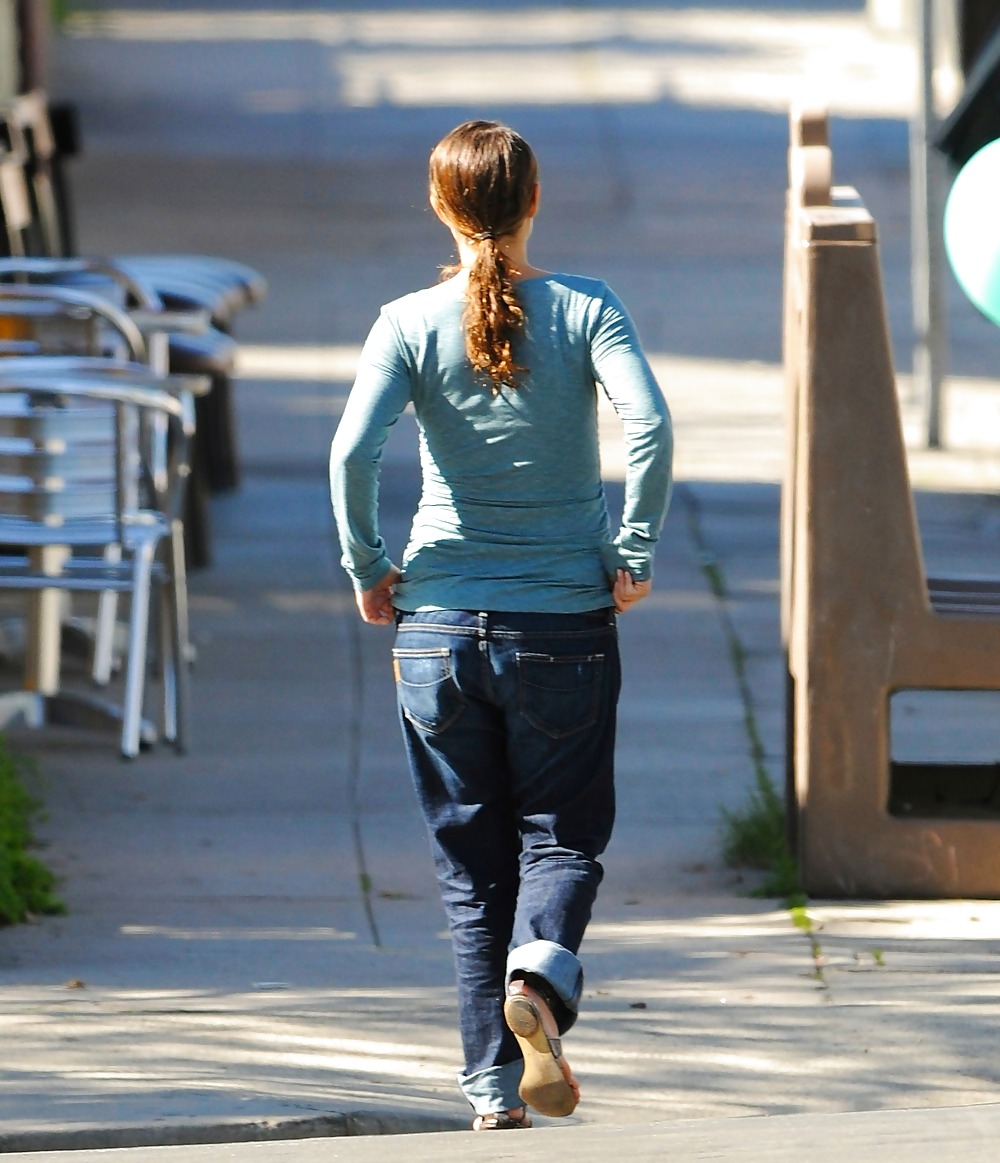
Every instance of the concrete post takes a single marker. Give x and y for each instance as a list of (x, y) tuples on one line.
[(856, 608)]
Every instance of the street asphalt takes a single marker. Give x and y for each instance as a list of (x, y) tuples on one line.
[(253, 947)]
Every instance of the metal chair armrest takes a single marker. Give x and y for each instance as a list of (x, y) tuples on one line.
[(142, 295), (81, 300)]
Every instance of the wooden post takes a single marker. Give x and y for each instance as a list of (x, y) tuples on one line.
[(33, 28)]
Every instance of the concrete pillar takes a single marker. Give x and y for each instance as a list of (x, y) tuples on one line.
[(857, 612)]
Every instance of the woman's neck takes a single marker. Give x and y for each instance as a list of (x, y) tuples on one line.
[(513, 247)]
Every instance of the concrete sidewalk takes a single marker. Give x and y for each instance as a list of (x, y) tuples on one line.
[(254, 946), (960, 1135)]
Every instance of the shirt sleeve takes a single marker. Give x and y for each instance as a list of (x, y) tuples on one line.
[(624, 372), (380, 393)]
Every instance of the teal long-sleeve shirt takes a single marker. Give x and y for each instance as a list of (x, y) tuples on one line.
[(512, 514)]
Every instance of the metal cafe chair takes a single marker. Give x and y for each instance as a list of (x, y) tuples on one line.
[(172, 341), (78, 323), (66, 320), (30, 221), (75, 479)]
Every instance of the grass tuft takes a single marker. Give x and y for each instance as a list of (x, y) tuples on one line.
[(62, 10), (27, 887), (755, 837)]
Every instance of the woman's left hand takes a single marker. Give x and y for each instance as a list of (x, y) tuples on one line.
[(375, 605), (627, 592)]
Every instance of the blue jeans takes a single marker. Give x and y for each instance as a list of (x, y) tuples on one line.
[(509, 725)]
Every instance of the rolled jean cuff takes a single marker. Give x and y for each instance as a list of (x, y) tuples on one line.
[(494, 1089), (560, 968)]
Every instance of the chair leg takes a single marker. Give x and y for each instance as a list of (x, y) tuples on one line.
[(135, 674), (168, 662), (104, 627), (216, 427), (197, 515), (176, 617)]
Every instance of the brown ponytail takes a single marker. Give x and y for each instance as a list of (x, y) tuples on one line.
[(482, 179)]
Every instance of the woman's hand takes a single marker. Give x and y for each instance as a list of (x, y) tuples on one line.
[(627, 592), (375, 605)]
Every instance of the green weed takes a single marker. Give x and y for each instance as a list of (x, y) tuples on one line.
[(755, 836), (27, 887), (804, 923), (61, 11)]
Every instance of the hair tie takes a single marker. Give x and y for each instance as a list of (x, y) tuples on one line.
[(483, 235)]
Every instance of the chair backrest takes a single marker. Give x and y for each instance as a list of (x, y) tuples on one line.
[(59, 461), (73, 454)]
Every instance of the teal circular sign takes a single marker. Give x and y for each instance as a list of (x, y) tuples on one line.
[(972, 229)]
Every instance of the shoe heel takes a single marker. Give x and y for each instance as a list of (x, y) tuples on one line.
[(521, 1017), (555, 1099)]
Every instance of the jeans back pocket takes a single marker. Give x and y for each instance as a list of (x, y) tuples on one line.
[(426, 687), (560, 694)]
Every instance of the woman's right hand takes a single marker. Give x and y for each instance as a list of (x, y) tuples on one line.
[(627, 592), (375, 605)]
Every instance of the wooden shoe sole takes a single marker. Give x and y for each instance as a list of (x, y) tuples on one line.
[(547, 1084)]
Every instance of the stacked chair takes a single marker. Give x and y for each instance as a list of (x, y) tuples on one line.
[(38, 226), (115, 422), (93, 462)]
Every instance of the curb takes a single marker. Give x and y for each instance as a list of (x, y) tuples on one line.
[(192, 1132)]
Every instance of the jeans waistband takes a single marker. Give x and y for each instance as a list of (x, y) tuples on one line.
[(484, 623)]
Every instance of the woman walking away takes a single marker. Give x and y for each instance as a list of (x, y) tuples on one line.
[(506, 656)]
